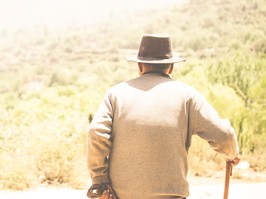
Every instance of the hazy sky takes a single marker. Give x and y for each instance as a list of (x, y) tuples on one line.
[(17, 13)]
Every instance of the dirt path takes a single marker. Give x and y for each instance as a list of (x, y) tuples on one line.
[(245, 186), (210, 191)]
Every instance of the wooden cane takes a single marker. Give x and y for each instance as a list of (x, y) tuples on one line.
[(228, 173)]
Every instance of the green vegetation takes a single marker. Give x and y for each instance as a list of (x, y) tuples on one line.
[(52, 83)]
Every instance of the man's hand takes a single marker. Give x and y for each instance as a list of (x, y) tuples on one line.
[(101, 191), (234, 161), (108, 194)]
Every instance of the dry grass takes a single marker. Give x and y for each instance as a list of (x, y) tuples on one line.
[(51, 81)]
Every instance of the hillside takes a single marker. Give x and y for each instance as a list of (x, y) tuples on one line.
[(55, 71)]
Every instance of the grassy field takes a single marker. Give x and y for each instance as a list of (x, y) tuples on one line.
[(54, 77)]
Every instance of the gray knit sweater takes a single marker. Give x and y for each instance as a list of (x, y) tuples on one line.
[(141, 133)]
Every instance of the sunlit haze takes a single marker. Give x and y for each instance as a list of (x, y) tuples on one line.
[(58, 13)]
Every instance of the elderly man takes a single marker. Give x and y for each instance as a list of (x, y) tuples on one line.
[(139, 138)]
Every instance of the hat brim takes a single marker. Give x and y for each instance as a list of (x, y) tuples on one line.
[(156, 61)]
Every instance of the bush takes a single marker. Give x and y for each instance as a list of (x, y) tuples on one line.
[(51, 84)]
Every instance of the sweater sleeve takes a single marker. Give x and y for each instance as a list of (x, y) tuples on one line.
[(99, 143), (206, 123)]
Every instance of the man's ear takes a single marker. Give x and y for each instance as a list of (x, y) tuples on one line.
[(140, 67), (170, 69)]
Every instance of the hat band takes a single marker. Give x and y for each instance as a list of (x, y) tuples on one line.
[(155, 58)]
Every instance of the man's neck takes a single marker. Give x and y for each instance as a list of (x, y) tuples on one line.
[(156, 72)]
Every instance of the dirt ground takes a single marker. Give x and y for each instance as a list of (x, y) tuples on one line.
[(243, 185), (211, 191)]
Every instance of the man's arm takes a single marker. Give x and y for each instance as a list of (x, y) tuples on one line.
[(206, 123), (99, 143)]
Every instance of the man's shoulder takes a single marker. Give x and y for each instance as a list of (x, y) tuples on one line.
[(182, 85), (117, 87), (171, 84)]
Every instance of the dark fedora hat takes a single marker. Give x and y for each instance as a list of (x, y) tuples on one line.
[(156, 49)]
